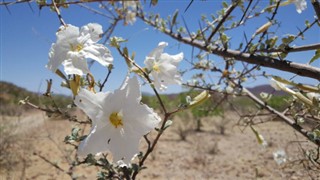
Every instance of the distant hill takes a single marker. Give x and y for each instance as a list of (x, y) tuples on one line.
[(10, 95), (267, 89)]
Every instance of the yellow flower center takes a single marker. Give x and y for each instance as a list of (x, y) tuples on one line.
[(156, 68), (116, 119), (76, 48)]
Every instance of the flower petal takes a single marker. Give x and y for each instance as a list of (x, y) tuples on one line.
[(123, 146), (76, 65), (149, 62), (139, 120), (56, 57), (99, 53), (91, 103), (132, 88), (67, 35), (156, 53), (94, 29), (174, 59), (94, 143)]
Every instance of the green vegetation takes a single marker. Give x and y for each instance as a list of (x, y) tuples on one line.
[(10, 95), (279, 102)]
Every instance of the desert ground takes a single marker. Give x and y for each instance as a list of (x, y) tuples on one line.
[(182, 152)]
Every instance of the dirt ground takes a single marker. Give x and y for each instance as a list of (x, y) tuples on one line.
[(205, 154)]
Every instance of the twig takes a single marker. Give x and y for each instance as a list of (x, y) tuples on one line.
[(58, 13), (245, 12), (308, 47), (94, 10), (57, 4), (224, 18), (106, 79), (65, 115), (264, 33), (265, 61), (286, 119), (52, 164)]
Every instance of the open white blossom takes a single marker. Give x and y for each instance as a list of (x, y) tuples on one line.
[(119, 121), (74, 46), (301, 5), (163, 67)]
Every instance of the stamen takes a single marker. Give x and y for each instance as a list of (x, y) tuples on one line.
[(116, 119)]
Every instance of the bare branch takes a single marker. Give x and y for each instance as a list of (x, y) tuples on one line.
[(58, 13), (265, 61), (308, 47), (286, 119), (224, 18)]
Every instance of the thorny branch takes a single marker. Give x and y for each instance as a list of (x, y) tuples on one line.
[(265, 61), (286, 119), (228, 12)]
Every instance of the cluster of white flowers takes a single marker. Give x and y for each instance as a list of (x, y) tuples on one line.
[(130, 8), (119, 120), (74, 46)]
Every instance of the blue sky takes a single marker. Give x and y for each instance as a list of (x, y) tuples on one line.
[(26, 37)]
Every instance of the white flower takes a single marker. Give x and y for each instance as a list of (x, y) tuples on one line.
[(280, 156), (73, 46), (312, 95), (300, 5), (206, 64), (119, 121), (163, 67), (130, 17), (278, 86)]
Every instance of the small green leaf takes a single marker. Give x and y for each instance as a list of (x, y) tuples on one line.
[(315, 57), (168, 124), (174, 18), (115, 41), (307, 23), (224, 4)]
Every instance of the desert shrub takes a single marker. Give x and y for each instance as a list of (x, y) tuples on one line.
[(279, 103), (8, 141)]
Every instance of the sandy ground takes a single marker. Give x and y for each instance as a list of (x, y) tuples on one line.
[(202, 155)]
